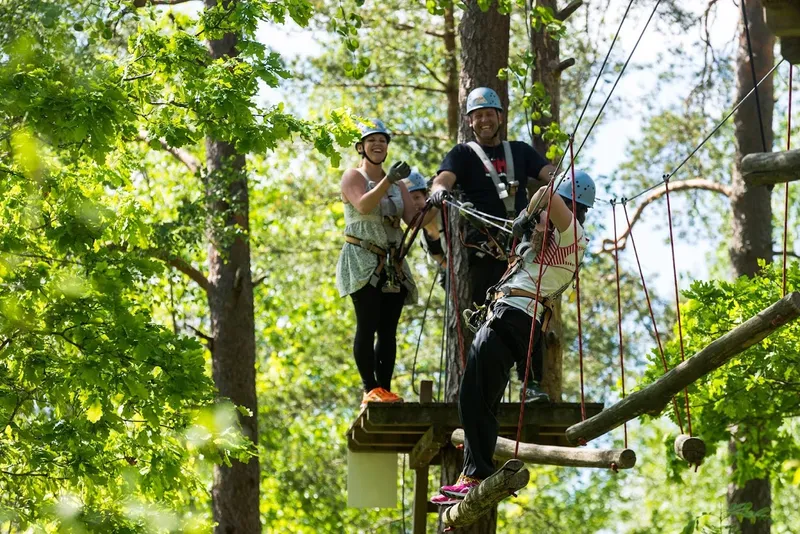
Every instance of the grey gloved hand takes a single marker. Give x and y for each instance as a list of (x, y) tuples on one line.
[(522, 225), (398, 171), (438, 197)]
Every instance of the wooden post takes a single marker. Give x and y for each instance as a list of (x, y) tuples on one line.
[(420, 507), (654, 397), (564, 456)]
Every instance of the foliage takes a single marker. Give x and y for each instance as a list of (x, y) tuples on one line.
[(757, 389)]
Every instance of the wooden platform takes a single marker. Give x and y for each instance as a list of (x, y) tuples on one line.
[(385, 427)]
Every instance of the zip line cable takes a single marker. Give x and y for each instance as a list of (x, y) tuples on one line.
[(753, 70)]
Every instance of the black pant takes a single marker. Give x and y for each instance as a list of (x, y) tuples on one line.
[(484, 273), (376, 313), (498, 345)]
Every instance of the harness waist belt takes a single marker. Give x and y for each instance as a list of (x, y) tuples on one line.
[(366, 245)]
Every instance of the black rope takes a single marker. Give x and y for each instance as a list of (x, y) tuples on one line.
[(716, 128), (419, 338), (619, 77), (753, 70), (596, 80)]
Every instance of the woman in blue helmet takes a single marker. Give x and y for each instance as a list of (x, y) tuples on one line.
[(502, 341), (375, 201)]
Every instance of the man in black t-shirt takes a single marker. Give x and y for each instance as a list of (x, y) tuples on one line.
[(473, 172)]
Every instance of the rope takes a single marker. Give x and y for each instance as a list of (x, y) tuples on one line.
[(619, 77), (478, 215), (786, 191), (596, 80), (619, 317), (577, 278), (419, 338), (533, 320), (677, 299), (453, 290), (650, 308), (753, 70)]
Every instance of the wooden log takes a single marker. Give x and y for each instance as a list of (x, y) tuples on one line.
[(656, 396), (769, 168), (510, 478), (690, 449), (563, 456)]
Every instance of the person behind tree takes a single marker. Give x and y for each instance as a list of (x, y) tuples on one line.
[(368, 268), (502, 340), (494, 176), (431, 239)]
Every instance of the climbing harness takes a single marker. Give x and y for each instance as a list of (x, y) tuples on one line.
[(506, 189), (389, 261)]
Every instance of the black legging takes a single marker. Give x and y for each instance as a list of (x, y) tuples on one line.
[(376, 313)]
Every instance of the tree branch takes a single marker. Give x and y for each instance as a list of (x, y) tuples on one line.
[(190, 271), (789, 253), (564, 14), (142, 3), (191, 162), (390, 85), (404, 27), (684, 185)]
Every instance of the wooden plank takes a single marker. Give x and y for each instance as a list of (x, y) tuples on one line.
[(563, 456), (426, 391), (483, 498), (419, 511), (379, 415), (427, 447), (653, 398), (769, 168), (384, 440)]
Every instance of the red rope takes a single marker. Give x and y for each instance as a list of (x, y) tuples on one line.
[(545, 243), (453, 289), (577, 279), (619, 316), (650, 308), (786, 190), (677, 298)]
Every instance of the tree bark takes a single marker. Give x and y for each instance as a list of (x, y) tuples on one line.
[(750, 206), (548, 57), (484, 51), (453, 104), (235, 492)]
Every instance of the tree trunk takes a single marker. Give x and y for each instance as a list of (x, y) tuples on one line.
[(546, 72), (453, 104), (484, 51), (235, 498), (751, 209)]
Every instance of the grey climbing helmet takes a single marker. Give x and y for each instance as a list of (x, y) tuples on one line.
[(584, 189), (373, 126), (483, 97), (415, 182)]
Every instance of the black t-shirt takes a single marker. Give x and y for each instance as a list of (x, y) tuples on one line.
[(476, 182)]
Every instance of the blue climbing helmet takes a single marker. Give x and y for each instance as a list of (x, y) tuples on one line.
[(415, 182), (483, 97), (584, 189), (373, 126)]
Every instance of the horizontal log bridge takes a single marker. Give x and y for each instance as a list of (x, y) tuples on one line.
[(769, 168), (653, 398), (563, 456), (508, 479)]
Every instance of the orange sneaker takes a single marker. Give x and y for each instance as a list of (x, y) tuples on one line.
[(379, 395)]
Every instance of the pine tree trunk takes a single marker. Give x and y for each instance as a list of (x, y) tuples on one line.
[(484, 51), (453, 104), (751, 209), (235, 497)]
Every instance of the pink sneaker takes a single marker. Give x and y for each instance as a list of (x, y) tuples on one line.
[(444, 500), (459, 490)]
